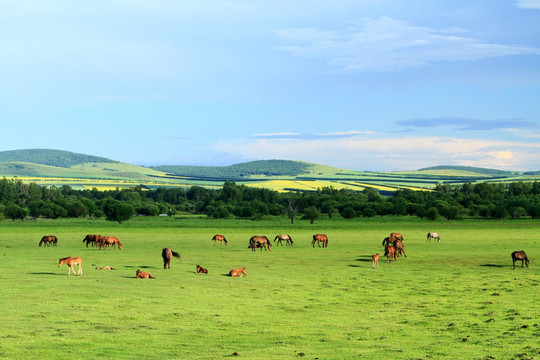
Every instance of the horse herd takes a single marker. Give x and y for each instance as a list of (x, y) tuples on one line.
[(393, 248)]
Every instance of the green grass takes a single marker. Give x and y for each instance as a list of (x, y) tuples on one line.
[(456, 299)]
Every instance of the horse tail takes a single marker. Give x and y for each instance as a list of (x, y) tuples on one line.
[(175, 254)]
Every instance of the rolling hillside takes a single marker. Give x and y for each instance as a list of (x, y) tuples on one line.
[(58, 168)]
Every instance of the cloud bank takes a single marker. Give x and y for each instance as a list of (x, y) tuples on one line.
[(387, 44)]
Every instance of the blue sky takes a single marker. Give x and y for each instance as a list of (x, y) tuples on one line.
[(375, 85)]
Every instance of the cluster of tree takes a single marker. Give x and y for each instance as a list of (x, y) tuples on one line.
[(20, 200)]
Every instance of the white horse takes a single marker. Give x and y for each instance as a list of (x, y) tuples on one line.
[(433, 235)]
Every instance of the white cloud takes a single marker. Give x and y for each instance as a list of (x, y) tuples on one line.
[(528, 4), (386, 44), (384, 153)]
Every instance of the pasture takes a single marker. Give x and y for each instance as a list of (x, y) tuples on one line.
[(456, 299)]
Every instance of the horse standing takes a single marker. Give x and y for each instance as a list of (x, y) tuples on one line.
[(375, 261), (167, 255), (398, 245), (396, 236), (320, 238), (520, 255), (143, 275), (92, 239), (238, 272), (283, 237), (390, 252), (432, 235), (70, 261), (219, 238), (386, 241), (260, 241), (49, 240)]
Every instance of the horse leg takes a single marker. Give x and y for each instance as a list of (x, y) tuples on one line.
[(80, 270), (514, 263)]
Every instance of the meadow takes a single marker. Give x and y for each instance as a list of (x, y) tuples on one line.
[(458, 298)]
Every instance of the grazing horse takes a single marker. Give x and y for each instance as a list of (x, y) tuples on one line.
[(283, 237), (70, 261), (108, 241), (260, 241), (398, 245), (432, 235), (167, 255), (238, 272), (219, 238), (389, 252), (49, 240), (519, 255), (375, 261), (320, 238), (143, 275), (201, 270), (396, 236), (92, 239), (105, 268)]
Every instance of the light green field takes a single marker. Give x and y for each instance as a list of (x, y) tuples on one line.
[(458, 299)]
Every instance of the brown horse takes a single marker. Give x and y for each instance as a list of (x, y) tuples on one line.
[(375, 261), (260, 241), (396, 236), (167, 255), (398, 244), (320, 238), (520, 255), (390, 252), (143, 275), (219, 238), (109, 241), (105, 268), (238, 272), (283, 237), (201, 270), (92, 239), (70, 261), (49, 240)]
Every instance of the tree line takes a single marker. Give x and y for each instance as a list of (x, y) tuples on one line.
[(20, 200)]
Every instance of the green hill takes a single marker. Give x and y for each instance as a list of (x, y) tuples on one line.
[(470, 169), (58, 158), (243, 170)]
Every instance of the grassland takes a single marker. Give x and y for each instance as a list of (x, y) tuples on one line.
[(456, 299)]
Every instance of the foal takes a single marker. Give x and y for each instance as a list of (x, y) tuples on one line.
[(375, 261), (70, 261)]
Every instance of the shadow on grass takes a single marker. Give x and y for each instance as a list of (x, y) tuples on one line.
[(364, 258), (496, 265), (140, 267), (47, 273)]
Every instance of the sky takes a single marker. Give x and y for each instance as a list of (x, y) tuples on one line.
[(375, 85)]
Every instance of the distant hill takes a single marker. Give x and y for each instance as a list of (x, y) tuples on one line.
[(58, 158), (472, 169), (243, 170)]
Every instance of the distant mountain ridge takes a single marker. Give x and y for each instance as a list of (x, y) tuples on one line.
[(58, 158)]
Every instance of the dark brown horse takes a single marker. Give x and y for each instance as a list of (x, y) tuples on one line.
[(386, 241), (109, 241), (167, 255), (320, 238), (238, 272), (520, 255), (70, 261), (143, 275), (260, 241), (92, 239), (201, 270), (398, 244), (49, 240), (283, 237), (219, 238), (390, 252)]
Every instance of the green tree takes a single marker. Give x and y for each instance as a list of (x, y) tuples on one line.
[(311, 214), (14, 212), (119, 211)]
